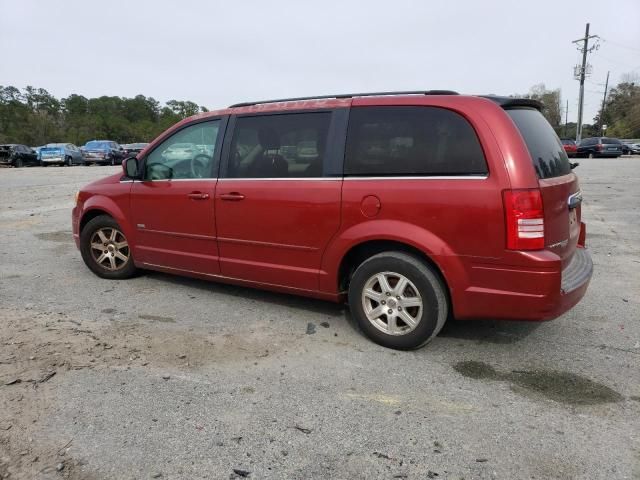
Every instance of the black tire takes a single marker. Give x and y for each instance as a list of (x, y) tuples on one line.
[(429, 286), (69, 162), (18, 163), (127, 270)]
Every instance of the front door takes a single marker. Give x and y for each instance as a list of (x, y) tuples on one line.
[(173, 207), (277, 207)]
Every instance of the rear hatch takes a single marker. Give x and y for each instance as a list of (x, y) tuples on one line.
[(51, 152), (561, 197), (611, 146), (5, 152)]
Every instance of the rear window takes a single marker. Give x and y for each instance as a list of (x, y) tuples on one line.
[(97, 145), (614, 141), (548, 156), (411, 141)]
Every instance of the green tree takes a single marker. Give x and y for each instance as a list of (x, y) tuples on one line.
[(34, 117), (622, 111)]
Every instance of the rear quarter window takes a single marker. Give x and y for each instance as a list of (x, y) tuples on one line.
[(411, 141), (547, 154)]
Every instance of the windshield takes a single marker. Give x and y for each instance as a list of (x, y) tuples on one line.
[(548, 155), (97, 145)]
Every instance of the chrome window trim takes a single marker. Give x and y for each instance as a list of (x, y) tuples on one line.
[(422, 177), (324, 179), (321, 179)]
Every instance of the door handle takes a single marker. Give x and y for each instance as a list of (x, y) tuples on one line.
[(232, 197), (198, 195)]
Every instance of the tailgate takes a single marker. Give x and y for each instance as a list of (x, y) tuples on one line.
[(559, 187), (561, 200)]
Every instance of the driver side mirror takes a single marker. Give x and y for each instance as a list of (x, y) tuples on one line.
[(130, 168)]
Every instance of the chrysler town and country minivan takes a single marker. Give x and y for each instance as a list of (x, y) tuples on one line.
[(415, 207)]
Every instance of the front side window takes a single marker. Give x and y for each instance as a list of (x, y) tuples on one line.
[(188, 153), (279, 146), (411, 141)]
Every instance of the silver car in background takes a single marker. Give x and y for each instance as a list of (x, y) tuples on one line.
[(60, 154)]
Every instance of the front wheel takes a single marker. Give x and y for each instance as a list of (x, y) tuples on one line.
[(69, 162), (105, 249), (19, 163), (398, 300)]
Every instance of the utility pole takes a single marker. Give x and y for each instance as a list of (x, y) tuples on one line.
[(582, 73), (604, 99), (566, 119)]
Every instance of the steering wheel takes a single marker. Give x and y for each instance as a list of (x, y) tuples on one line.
[(199, 165)]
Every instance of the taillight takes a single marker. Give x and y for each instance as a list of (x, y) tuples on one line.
[(599, 146), (524, 219)]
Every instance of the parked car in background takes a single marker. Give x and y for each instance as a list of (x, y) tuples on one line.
[(60, 154), (180, 151), (132, 149), (570, 147), (630, 148), (17, 155), (37, 150), (599, 147), (404, 204), (106, 152)]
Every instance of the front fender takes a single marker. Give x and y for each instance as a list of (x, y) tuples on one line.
[(117, 210), (447, 261)]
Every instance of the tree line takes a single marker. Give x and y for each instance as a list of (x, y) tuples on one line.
[(620, 115), (32, 116)]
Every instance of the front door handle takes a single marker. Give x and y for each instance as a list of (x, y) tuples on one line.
[(198, 195), (232, 197)]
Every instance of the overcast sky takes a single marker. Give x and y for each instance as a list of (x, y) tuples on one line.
[(218, 53)]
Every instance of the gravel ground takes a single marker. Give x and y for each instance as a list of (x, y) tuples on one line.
[(166, 377)]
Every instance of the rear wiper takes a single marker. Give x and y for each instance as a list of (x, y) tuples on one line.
[(574, 165)]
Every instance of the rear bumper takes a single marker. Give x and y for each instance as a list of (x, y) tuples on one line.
[(540, 291)]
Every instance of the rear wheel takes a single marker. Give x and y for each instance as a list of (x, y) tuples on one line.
[(105, 249), (69, 162), (398, 300), (19, 163)]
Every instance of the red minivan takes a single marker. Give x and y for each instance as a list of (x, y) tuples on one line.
[(414, 207)]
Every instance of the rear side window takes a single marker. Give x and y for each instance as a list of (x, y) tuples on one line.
[(411, 141), (548, 155)]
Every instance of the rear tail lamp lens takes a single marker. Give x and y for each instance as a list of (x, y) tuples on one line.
[(524, 219)]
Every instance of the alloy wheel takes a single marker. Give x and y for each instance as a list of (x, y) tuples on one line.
[(392, 303), (109, 248)]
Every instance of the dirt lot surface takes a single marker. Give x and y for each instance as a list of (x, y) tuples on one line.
[(165, 377)]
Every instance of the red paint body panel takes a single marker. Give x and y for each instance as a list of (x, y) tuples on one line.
[(292, 235), (173, 229), (278, 232)]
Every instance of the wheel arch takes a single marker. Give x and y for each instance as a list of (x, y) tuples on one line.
[(100, 205), (360, 252), (361, 241)]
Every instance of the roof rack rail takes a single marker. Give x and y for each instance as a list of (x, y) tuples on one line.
[(347, 95)]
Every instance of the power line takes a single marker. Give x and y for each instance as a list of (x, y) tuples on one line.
[(620, 44)]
